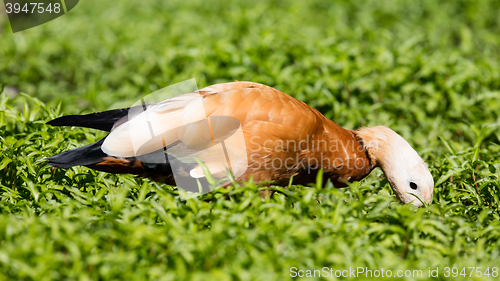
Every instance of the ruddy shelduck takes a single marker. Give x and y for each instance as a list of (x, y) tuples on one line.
[(284, 139)]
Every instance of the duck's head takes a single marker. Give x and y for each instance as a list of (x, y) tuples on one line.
[(405, 170)]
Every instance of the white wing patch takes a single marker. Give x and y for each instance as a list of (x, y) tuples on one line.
[(134, 137), (181, 125)]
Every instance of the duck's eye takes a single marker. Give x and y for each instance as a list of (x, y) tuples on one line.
[(413, 185)]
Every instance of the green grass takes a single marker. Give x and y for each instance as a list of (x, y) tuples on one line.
[(430, 70)]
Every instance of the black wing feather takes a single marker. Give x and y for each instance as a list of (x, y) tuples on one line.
[(101, 120), (85, 155)]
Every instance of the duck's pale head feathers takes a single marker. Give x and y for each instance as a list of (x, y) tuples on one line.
[(406, 172)]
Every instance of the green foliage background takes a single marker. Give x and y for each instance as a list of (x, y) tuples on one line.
[(428, 69)]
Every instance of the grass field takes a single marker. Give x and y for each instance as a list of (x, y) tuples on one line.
[(428, 69)]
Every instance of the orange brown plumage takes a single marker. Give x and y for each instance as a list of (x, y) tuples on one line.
[(284, 138)]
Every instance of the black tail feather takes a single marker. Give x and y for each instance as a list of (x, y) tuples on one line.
[(157, 166), (82, 156), (101, 120)]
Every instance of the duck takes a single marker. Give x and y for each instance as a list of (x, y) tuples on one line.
[(249, 131)]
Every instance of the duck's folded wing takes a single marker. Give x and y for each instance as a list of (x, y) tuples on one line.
[(153, 127), (181, 119)]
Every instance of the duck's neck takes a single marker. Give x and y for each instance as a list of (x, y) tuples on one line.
[(341, 154)]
